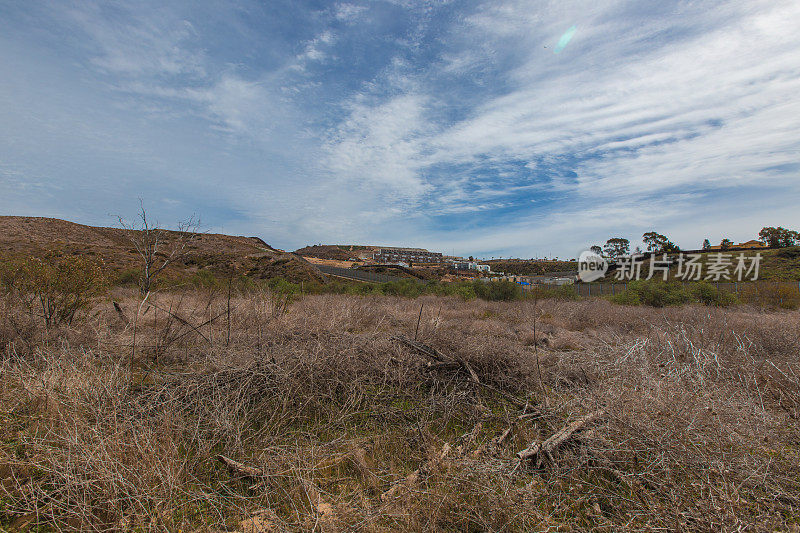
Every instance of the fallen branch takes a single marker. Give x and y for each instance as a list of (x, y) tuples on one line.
[(498, 441), (241, 469), (542, 450), (120, 312), (424, 349)]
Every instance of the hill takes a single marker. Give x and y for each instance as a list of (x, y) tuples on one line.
[(777, 264), (528, 267), (214, 253), (325, 251)]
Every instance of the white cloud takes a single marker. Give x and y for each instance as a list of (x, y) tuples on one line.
[(136, 45), (705, 100), (349, 12), (651, 111), (381, 146)]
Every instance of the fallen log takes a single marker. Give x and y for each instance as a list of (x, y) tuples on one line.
[(423, 349), (541, 450), (241, 469)]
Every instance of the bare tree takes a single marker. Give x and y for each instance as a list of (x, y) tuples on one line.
[(157, 247)]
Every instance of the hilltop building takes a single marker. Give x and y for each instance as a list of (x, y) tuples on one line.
[(741, 246), (391, 254), (470, 265)]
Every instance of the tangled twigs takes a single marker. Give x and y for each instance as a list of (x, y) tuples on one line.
[(541, 450), (417, 475), (444, 361)]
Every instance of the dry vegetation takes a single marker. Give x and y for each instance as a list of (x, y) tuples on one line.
[(312, 415)]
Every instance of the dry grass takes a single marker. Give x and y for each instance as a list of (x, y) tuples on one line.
[(701, 431)]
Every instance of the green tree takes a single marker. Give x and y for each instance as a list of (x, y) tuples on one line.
[(616, 247), (670, 247), (596, 249), (726, 244), (657, 243), (706, 244), (654, 241), (779, 237)]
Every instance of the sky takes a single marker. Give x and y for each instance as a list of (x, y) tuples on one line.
[(495, 129)]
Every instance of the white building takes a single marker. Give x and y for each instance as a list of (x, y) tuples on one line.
[(471, 265)]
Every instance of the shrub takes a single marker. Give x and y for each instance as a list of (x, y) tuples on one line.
[(497, 290), (707, 294), (561, 292), (206, 279), (626, 297), (792, 252), (655, 293), (661, 294), (405, 287), (281, 294), (129, 276), (59, 286), (770, 295)]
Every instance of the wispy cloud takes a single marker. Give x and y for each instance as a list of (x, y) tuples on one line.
[(441, 124)]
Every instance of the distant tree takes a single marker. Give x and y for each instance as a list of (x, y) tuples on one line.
[(596, 249), (706, 244), (726, 244), (670, 247), (471, 258), (778, 237), (616, 247), (654, 241), (657, 243)]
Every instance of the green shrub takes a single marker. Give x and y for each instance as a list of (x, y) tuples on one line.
[(625, 298), (708, 294), (129, 276), (656, 293), (497, 291), (58, 286), (653, 293), (206, 279), (561, 292), (404, 287)]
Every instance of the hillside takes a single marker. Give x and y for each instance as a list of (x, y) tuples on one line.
[(217, 254), (527, 267), (777, 264), (325, 251)]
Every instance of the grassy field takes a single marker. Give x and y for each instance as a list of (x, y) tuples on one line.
[(312, 414)]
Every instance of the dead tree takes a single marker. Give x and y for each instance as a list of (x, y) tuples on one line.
[(157, 247)]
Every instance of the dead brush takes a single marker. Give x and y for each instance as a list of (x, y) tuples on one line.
[(317, 417)]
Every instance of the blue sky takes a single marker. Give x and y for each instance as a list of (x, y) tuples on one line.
[(450, 125)]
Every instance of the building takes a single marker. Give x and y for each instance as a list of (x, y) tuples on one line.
[(741, 246), (391, 254), (470, 265)]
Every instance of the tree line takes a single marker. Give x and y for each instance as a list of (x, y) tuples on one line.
[(655, 242)]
